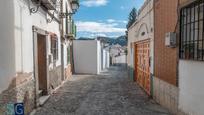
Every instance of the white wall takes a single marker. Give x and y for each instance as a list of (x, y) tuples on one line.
[(104, 59), (99, 53), (86, 56), (191, 86), (107, 59), (65, 55), (7, 43), (16, 43), (24, 36)]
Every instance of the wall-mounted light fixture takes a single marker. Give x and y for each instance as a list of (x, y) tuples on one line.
[(34, 9), (75, 5)]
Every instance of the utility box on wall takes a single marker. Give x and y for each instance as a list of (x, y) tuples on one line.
[(170, 39)]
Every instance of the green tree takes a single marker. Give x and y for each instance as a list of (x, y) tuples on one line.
[(132, 17)]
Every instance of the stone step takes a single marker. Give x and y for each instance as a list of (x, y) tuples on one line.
[(43, 100)]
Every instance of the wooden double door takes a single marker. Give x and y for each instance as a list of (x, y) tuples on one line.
[(142, 65)]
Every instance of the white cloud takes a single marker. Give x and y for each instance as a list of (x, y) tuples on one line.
[(97, 27), (116, 21), (94, 3), (125, 22), (98, 34), (102, 35), (111, 20)]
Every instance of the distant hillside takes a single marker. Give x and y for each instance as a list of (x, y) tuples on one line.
[(119, 40), (84, 38), (122, 40)]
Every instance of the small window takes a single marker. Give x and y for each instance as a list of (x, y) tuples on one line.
[(191, 32), (54, 47)]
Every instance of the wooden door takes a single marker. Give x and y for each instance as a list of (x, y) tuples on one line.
[(42, 64), (142, 65)]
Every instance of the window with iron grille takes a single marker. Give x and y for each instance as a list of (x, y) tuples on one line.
[(191, 31), (54, 47)]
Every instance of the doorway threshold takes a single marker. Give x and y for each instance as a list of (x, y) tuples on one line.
[(43, 99)]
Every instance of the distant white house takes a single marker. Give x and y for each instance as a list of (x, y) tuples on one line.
[(117, 54)]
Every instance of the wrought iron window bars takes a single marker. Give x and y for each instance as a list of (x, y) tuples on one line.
[(192, 31)]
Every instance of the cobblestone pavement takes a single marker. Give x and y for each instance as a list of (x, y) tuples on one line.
[(110, 93)]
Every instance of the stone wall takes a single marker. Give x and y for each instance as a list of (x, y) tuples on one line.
[(55, 77), (19, 92), (68, 72), (166, 94)]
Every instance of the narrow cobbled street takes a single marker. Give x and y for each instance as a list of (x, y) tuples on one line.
[(110, 93)]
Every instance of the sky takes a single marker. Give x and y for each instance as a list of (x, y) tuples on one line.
[(107, 18)]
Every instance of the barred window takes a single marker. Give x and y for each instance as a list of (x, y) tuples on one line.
[(191, 31)]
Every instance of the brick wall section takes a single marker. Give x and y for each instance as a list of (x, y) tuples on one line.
[(68, 72), (165, 15)]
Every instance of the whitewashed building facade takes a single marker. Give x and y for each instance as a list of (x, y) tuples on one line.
[(32, 50)]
